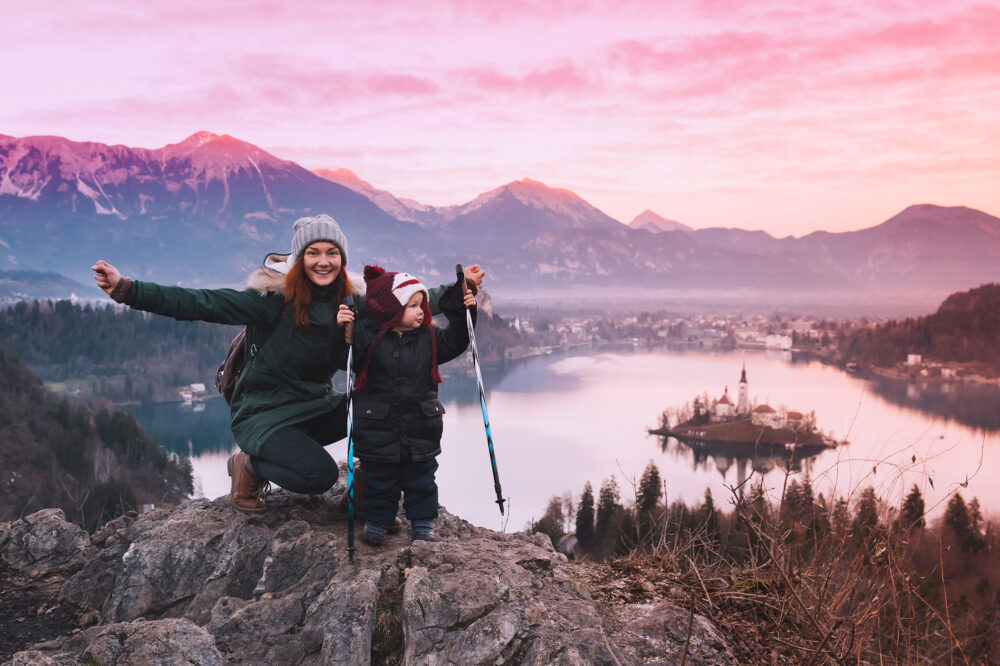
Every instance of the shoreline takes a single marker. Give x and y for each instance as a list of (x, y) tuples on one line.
[(742, 433)]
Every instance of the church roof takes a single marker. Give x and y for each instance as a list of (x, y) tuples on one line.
[(724, 400), (743, 376)]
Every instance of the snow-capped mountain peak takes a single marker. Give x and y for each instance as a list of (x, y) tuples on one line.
[(201, 138), (539, 196), (217, 152)]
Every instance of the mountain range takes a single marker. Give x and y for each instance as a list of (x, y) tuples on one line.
[(205, 210), (38, 285)]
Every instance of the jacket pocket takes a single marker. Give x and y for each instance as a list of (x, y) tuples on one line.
[(372, 410), (432, 407)]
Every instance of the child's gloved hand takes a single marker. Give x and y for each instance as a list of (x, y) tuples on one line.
[(454, 299)]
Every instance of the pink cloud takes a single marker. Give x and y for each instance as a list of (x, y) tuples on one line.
[(554, 79), (401, 84)]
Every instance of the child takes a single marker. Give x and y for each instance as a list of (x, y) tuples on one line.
[(397, 415)]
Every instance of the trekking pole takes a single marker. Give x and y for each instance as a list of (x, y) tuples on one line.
[(350, 441), (460, 272)]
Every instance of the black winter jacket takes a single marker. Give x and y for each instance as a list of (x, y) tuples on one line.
[(399, 405)]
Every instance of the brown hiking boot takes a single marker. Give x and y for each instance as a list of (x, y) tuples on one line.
[(247, 491)]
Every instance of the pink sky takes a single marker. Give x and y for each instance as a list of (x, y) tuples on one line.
[(773, 115)]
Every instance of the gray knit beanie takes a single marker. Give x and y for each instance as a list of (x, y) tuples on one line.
[(308, 230)]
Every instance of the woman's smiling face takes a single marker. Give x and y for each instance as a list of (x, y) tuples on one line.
[(322, 263)]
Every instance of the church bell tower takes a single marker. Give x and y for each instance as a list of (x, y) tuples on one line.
[(743, 405)]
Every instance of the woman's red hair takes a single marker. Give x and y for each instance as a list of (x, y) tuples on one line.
[(298, 291)]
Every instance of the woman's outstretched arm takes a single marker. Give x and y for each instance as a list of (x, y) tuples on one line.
[(221, 306)]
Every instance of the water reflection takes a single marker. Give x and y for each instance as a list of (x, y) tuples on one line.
[(742, 459), (974, 405), (186, 430)]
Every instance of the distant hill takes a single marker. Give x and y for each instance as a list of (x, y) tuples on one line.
[(924, 247), (94, 464), (39, 285), (963, 330)]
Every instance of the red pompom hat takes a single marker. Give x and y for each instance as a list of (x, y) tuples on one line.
[(386, 296)]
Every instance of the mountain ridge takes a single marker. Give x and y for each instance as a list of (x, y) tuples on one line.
[(168, 211)]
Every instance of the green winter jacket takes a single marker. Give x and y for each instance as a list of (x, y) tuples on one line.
[(288, 381)]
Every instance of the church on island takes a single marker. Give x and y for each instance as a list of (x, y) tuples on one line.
[(726, 422), (724, 410)]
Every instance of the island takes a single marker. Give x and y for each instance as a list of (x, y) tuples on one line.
[(739, 424)]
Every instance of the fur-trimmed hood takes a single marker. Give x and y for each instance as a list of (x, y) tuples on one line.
[(270, 278)]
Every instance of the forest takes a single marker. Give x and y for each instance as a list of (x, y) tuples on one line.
[(115, 353), (90, 460), (964, 329), (846, 579)]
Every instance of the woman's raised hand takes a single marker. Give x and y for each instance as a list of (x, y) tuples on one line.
[(106, 276), (475, 275), (345, 317)]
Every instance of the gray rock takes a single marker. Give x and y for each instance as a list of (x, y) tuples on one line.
[(39, 658), (498, 599), (178, 564), (201, 584), (166, 642), (44, 542), (660, 631)]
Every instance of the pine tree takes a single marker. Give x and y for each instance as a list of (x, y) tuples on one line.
[(551, 522), (975, 515), (965, 522), (977, 541), (650, 489), (956, 517), (707, 516), (840, 518), (607, 505), (793, 502), (866, 518), (585, 517), (911, 514)]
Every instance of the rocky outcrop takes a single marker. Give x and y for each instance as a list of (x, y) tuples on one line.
[(44, 543), (199, 584)]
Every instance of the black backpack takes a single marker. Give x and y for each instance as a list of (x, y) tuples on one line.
[(241, 350)]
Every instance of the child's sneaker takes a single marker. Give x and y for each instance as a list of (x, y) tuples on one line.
[(373, 534), (422, 530)]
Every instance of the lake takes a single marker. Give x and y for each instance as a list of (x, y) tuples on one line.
[(561, 420)]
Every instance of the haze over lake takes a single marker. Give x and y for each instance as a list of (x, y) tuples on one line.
[(562, 420)]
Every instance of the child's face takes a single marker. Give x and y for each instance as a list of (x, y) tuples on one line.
[(413, 313)]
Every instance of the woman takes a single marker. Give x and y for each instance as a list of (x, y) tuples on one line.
[(284, 409)]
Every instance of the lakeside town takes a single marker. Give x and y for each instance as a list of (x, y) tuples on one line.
[(804, 336)]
